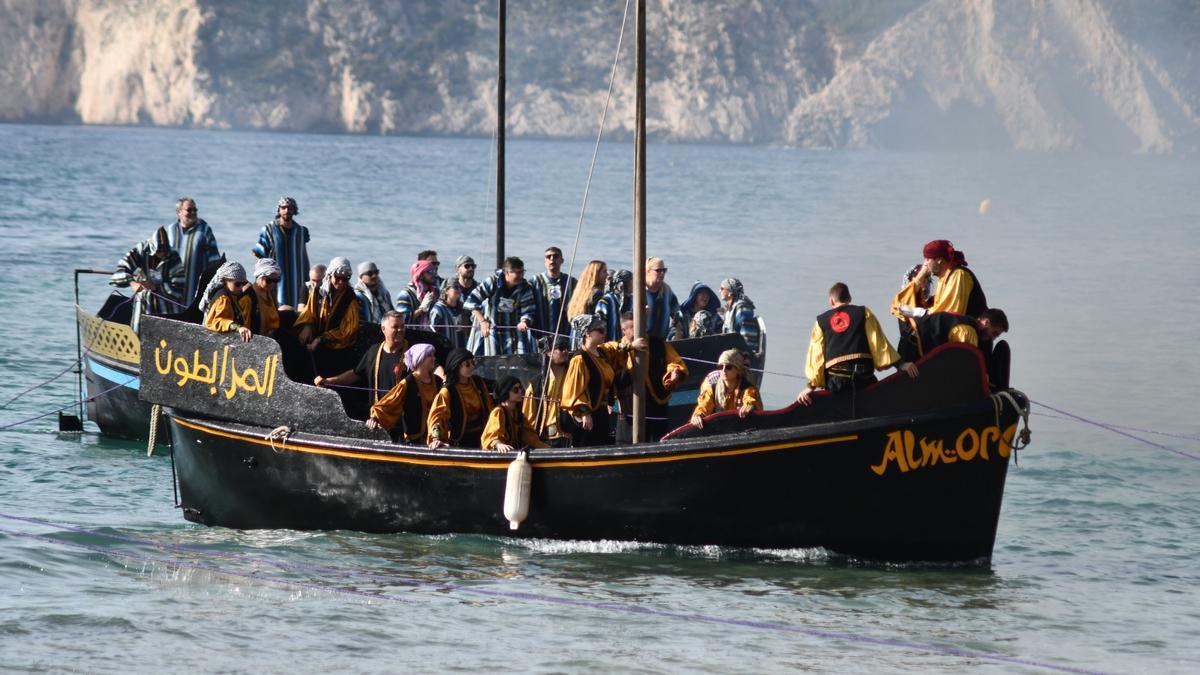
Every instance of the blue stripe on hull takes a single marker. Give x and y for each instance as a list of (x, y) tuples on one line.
[(114, 376)]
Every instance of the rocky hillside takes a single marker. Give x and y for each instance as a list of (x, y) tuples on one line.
[(1041, 75)]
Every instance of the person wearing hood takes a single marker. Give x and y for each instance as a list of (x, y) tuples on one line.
[(193, 240), (228, 306), (461, 407), (616, 301), (701, 299), (727, 388), (286, 240), (155, 273), (328, 321), (404, 410), (266, 278), (374, 300), (507, 429), (504, 309), (739, 313), (418, 298)]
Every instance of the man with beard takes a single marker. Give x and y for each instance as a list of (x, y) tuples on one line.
[(552, 288), (286, 241), (193, 240)]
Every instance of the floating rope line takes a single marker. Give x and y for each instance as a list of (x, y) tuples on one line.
[(72, 403), (73, 363), (617, 607), (1118, 431)]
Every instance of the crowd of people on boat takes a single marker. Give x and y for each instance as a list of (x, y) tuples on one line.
[(583, 326)]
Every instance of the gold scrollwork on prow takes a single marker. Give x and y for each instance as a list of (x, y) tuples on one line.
[(904, 451), (217, 371), (107, 338)]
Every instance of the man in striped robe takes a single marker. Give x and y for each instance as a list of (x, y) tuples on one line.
[(504, 309), (552, 289), (664, 318), (154, 271), (286, 241), (193, 240)]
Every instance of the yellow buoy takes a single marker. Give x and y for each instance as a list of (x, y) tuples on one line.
[(985, 206)]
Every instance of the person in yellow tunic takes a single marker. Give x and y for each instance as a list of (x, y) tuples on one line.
[(227, 305), (958, 289), (460, 408), (507, 429), (404, 410), (727, 389), (588, 385), (266, 279), (847, 347), (328, 321), (543, 397), (665, 370)]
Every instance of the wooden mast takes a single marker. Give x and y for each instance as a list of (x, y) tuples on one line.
[(639, 231), (501, 123)]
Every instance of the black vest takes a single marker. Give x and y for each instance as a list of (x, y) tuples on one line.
[(976, 301), (595, 381), (415, 414), (934, 329), (845, 334), (459, 424), (344, 303)]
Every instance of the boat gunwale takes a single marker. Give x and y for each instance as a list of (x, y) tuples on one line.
[(738, 443)]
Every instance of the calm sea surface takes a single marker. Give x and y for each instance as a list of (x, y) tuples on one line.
[(1096, 561)]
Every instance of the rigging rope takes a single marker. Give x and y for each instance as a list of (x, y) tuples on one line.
[(72, 403)]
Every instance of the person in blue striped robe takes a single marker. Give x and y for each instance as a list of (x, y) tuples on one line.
[(193, 240), (286, 241), (553, 288), (739, 312), (504, 309), (616, 301), (155, 272), (447, 314), (664, 318)]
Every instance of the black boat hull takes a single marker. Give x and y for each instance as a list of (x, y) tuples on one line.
[(831, 486)]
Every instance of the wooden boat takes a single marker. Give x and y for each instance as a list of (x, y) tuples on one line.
[(907, 469)]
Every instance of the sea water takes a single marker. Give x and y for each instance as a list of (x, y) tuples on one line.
[(1092, 257)]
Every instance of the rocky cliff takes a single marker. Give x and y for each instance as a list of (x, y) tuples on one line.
[(1109, 75)]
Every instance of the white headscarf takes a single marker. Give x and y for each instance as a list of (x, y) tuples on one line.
[(266, 267), (339, 266), (229, 271)]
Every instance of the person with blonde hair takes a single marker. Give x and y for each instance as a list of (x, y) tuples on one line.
[(728, 388), (589, 289)]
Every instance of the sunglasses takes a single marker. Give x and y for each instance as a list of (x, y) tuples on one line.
[(659, 269), (271, 280), (552, 256), (469, 266), (726, 366), (372, 273)]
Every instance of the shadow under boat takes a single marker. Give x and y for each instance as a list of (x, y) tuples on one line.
[(905, 470)]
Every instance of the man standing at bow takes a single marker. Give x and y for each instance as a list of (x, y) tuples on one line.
[(286, 241), (193, 240)]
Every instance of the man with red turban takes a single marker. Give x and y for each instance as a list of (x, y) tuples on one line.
[(958, 289)]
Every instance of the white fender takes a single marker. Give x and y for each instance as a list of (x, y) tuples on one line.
[(516, 491)]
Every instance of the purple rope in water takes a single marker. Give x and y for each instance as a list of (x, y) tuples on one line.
[(1115, 430), (508, 595), (69, 405), (40, 384)]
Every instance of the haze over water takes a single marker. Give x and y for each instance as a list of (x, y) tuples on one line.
[(1092, 257)]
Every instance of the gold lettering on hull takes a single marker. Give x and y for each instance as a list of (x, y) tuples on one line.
[(253, 380), (908, 453)]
